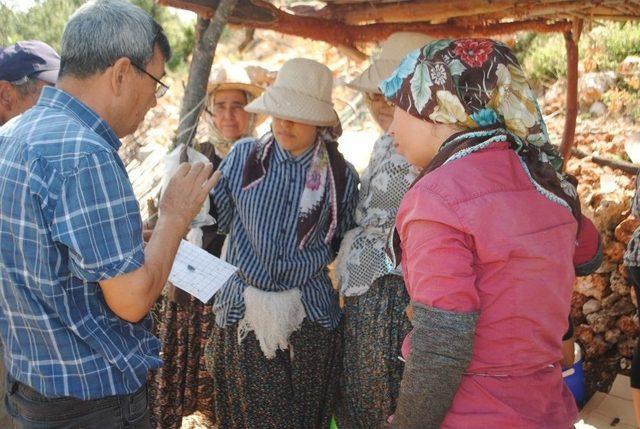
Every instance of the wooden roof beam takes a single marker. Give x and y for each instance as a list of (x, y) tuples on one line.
[(475, 10), (538, 10), (425, 10), (348, 35), (200, 9), (337, 33)]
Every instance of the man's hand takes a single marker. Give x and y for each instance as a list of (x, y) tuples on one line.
[(186, 191), (132, 295)]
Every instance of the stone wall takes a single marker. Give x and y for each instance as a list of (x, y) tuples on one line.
[(604, 303)]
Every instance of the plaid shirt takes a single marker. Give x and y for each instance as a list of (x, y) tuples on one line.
[(68, 219)]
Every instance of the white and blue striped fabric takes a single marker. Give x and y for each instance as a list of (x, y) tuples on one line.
[(263, 242), (68, 219)]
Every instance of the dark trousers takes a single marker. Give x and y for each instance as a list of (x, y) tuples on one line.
[(5, 421), (634, 275), (31, 410)]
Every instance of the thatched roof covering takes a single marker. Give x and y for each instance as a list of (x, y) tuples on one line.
[(345, 22)]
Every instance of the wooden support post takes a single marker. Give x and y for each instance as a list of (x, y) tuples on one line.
[(571, 39), (208, 33)]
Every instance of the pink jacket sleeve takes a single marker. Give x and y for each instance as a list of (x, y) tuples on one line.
[(437, 254)]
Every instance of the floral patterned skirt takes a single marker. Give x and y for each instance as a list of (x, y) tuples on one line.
[(182, 385), (375, 325), (295, 390)]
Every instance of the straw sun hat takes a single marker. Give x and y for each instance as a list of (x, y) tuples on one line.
[(227, 76), (300, 93), (392, 51)]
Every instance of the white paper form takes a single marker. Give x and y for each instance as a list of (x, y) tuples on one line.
[(198, 272)]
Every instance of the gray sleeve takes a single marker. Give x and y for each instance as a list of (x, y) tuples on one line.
[(591, 266), (441, 346)]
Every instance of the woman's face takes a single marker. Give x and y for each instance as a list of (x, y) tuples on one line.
[(381, 110), (294, 137), (229, 115), (417, 140)]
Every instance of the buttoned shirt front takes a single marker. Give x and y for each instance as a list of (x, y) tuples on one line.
[(263, 241)]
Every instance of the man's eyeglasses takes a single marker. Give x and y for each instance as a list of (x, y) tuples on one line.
[(161, 88)]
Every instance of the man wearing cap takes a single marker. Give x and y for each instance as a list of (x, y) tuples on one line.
[(76, 281), (25, 68)]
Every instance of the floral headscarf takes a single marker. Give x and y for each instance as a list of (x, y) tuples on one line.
[(472, 83), (478, 85)]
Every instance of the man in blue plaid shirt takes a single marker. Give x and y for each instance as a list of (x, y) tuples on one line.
[(76, 282)]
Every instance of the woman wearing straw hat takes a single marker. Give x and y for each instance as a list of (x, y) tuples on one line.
[(286, 201), (183, 385), (488, 236), (374, 295)]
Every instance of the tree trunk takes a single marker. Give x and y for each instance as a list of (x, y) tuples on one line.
[(208, 33)]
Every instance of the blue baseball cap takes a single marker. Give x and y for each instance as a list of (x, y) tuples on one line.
[(30, 58)]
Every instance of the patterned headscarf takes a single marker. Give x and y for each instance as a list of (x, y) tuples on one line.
[(472, 83), (478, 85)]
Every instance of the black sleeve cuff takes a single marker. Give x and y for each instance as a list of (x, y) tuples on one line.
[(589, 267)]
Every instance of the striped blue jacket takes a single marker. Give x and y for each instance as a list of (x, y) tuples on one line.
[(263, 243)]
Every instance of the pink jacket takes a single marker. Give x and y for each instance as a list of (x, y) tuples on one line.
[(478, 237)]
